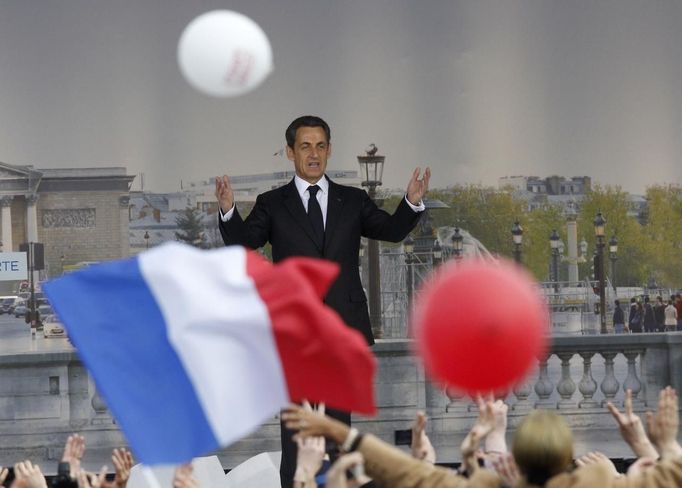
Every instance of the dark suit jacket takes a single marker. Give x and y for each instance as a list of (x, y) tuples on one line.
[(279, 217)]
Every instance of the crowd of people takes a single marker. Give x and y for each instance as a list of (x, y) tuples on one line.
[(541, 453), (70, 473), (662, 316)]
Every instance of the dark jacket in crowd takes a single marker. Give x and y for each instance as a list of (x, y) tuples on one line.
[(649, 318)]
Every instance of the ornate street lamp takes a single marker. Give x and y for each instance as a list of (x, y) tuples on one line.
[(554, 241), (372, 168), (517, 240), (599, 224), (613, 255), (146, 239), (457, 243), (408, 246)]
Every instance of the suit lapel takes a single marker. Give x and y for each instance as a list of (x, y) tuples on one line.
[(293, 203), (335, 202)]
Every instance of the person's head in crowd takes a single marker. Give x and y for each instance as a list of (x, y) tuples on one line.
[(542, 447), (633, 300), (646, 299), (617, 302)]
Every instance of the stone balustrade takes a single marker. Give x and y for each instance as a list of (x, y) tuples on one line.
[(45, 397)]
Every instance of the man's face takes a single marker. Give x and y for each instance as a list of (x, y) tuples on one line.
[(310, 152)]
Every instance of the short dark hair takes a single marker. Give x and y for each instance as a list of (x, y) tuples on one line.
[(305, 121), (617, 302)]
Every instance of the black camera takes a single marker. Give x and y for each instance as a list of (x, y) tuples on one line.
[(63, 478)]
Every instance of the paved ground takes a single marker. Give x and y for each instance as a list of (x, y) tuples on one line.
[(16, 338)]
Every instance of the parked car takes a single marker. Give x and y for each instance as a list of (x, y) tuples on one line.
[(20, 310), (52, 327), (44, 310), (7, 304)]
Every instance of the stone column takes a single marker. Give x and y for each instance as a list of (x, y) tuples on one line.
[(32, 225), (6, 203), (31, 218)]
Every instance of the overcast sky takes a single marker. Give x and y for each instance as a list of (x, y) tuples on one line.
[(476, 89)]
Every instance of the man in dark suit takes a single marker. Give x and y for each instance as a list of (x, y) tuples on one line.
[(315, 217)]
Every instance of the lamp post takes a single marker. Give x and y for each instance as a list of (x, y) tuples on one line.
[(599, 224), (437, 254), (517, 240), (457, 243), (372, 168), (613, 255), (408, 246), (554, 241), (146, 239)]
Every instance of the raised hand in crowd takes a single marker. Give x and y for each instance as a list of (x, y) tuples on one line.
[(421, 446), (74, 448), (641, 465), (310, 454), (481, 428), (664, 424), (505, 467), (123, 463), (183, 477), (597, 458), (354, 463), (27, 475), (92, 480), (632, 429), (496, 442)]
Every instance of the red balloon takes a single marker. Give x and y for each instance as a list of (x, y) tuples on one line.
[(480, 325)]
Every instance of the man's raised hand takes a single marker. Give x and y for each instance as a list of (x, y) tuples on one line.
[(223, 192), (417, 187)]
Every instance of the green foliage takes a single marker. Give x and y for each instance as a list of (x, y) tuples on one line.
[(663, 235), (649, 244), (191, 227)]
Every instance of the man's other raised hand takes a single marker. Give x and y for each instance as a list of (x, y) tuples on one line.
[(224, 194), (417, 187)]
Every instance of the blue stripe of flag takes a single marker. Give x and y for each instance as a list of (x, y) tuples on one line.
[(120, 334)]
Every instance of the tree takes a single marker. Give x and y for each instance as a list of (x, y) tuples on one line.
[(663, 253), (614, 204), (191, 227)]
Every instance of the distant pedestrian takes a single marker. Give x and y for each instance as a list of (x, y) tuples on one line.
[(678, 306), (649, 317), (635, 317), (619, 319), (659, 314), (671, 317)]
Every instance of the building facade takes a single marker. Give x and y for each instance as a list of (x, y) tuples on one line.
[(79, 214)]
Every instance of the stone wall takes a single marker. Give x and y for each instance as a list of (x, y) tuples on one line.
[(82, 226), (45, 397)]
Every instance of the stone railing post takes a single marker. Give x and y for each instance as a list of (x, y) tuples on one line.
[(609, 385), (566, 386), (543, 385), (632, 381), (587, 385)]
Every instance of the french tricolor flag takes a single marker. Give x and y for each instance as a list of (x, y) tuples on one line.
[(193, 350)]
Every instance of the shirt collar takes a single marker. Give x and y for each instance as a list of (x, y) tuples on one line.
[(302, 185)]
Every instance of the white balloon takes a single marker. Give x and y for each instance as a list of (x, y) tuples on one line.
[(224, 54)]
